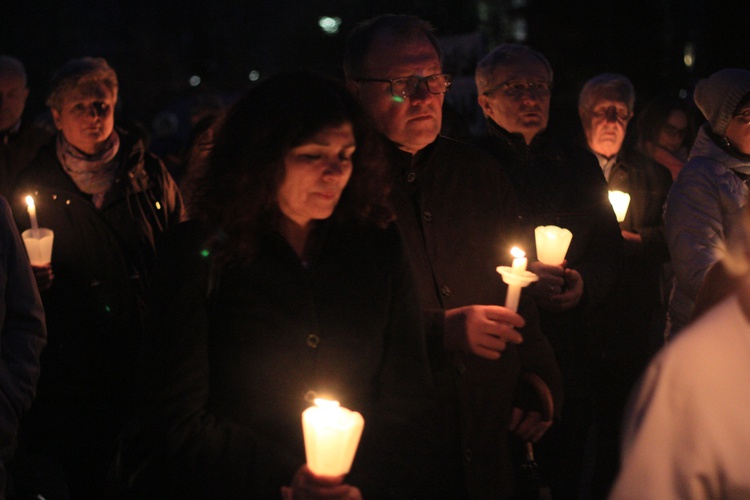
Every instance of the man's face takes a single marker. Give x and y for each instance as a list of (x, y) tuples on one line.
[(13, 94), (605, 124), (518, 111), (412, 122)]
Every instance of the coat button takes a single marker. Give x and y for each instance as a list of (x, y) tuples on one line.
[(445, 290), (467, 454), (461, 368), (313, 340), (310, 396), (411, 176), (427, 216)]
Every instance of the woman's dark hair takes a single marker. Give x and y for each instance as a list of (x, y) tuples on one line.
[(232, 187), (655, 115)]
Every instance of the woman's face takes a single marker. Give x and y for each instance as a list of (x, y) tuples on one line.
[(672, 133), (738, 130), (86, 116), (316, 174)]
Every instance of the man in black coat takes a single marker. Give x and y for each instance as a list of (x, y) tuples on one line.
[(457, 215), (556, 184), (638, 312)]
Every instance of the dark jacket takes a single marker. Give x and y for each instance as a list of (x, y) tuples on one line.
[(101, 261), (234, 356), (22, 335), (647, 182), (562, 185), (458, 217), (639, 306)]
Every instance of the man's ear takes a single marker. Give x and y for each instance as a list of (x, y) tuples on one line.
[(353, 87), (484, 103)]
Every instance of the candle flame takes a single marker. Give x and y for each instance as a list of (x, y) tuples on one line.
[(30, 201), (517, 253), (326, 403)]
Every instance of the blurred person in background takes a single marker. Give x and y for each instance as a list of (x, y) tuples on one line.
[(665, 130)]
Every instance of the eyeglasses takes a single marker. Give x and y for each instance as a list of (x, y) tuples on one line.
[(408, 86), (744, 116), (610, 113), (516, 88)]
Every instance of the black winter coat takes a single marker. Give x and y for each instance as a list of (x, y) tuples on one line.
[(101, 260), (235, 355), (459, 219)]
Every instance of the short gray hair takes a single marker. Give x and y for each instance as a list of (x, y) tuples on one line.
[(612, 86), (10, 66), (402, 26), (79, 72), (505, 55)]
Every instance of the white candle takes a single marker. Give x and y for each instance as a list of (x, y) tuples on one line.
[(331, 437), (620, 202), (32, 214), (552, 244), (519, 260), (516, 277)]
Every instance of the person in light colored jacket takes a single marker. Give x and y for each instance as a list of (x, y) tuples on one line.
[(704, 207)]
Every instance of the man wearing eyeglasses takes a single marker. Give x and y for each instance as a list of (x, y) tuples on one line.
[(457, 215), (556, 183)]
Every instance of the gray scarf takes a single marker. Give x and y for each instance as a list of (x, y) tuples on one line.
[(92, 174)]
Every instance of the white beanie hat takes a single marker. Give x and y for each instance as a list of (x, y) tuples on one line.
[(719, 95)]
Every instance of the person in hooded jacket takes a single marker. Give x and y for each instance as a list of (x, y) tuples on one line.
[(704, 207)]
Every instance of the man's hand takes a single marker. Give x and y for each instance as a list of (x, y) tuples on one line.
[(551, 280), (44, 276), (572, 294), (482, 330), (308, 486), (528, 425)]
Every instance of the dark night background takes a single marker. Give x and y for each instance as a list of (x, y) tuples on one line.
[(157, 45)]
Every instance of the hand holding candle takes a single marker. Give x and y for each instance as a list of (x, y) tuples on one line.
[(331, 437), (516, 277)]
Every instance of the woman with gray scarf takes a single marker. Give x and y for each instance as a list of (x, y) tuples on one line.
[(106, 199), (704, 208)]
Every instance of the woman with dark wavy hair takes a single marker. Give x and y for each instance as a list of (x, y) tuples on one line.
[(289, 283)]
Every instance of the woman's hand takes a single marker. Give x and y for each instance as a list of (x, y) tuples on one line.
[(308, 486)]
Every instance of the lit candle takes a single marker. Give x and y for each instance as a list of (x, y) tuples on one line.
[(519, 260), (552, 244), (516, 277), (331, 437), (620, 202), (32, 214)]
